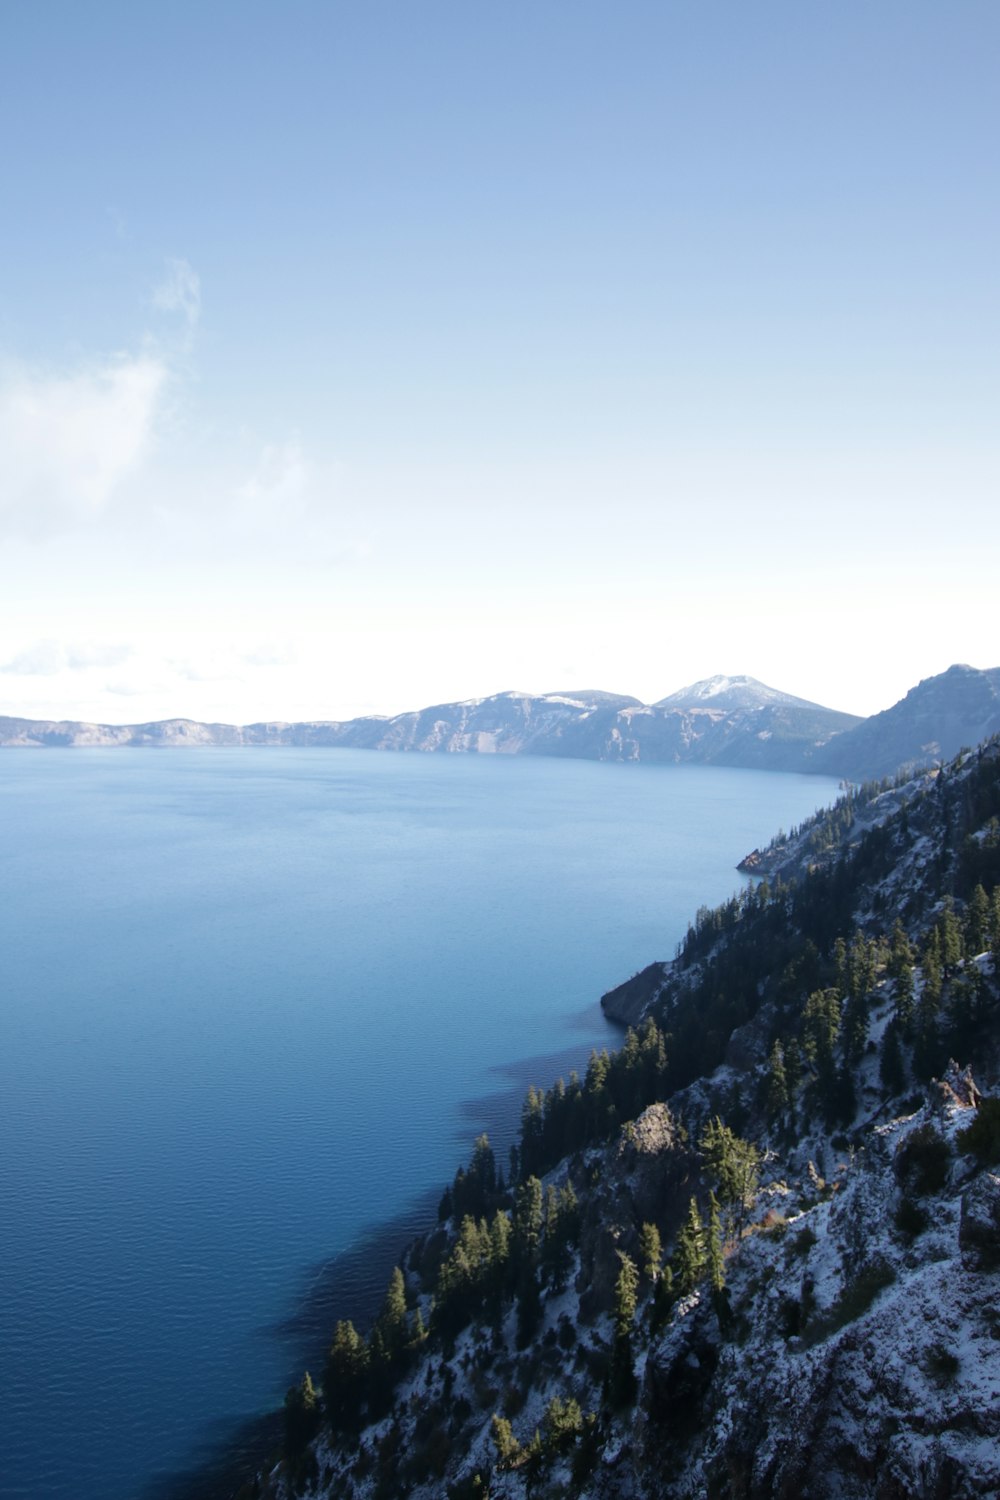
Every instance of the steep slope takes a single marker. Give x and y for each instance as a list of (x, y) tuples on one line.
[(936, 718), (826, 1323)]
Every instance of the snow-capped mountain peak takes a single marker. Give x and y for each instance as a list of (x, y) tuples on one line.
[(731, 692)]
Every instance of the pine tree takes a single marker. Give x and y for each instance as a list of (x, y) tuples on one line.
[(949, 930), (508, 1449), (528, 1218), (735, 1165), (776, 1084), (716, 1265), (392, 1319), (345, 1377), (793, 1068), (663, 1298), (621, 1372), (891, 1069), (977, 921), (650, 1251), (901, 969), (301, 1417), (689, 1252)]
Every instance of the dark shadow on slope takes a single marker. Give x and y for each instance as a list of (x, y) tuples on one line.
[(499, 1114), (352, 1284)]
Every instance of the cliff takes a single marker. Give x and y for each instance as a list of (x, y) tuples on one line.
[(723, 721), (756, 1252)]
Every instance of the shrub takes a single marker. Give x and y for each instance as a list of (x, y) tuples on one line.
[(789, 1317), (982, 1138), (941, 1363), (922, 1161), (774, 1225), (911, 1219), (803, 1242), (514, 1398)]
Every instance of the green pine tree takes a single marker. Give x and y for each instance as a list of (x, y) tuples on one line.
[(689, 1252)]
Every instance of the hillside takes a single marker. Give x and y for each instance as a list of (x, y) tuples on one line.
[(723, 721), (755, 1252), (933, 722)]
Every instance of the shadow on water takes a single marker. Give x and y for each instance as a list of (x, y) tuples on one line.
[(352, 1284)]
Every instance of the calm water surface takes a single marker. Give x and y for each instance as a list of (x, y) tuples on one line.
[(246, 998)]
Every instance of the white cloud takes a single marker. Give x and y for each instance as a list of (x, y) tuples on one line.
[(41, 659), (47, 658), (180, 292), (68, 440)]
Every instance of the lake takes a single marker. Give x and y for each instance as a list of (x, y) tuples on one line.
[(255, 1004)]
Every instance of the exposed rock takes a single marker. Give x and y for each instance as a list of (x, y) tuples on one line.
[(627, 1003)]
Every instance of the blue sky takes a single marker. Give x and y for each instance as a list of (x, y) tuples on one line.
[(359, 357)]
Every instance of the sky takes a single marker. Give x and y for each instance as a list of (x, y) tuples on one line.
[(360, 357)]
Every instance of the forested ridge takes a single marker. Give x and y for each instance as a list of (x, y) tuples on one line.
[(650, 1203)]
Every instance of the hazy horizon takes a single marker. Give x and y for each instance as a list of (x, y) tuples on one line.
[(352, 362), (474, 698)]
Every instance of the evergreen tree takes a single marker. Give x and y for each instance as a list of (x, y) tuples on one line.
[(508, 1449), (528, 1219), (977, 922), (716, 1265), (562, 1423), (689, 1252), (951, 947), (663, 1298), (735, 1165), (891, 1069), (821, 1028), (621, 1372), (301, 1417), (793, 1068), (714, 1261), (901, 966), (392, 1320), (993, 933), (345, 1378), (650, 1251), (927, 1049), (776, 1084)]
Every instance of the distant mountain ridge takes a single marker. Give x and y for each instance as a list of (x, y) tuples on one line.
[(725, 721)]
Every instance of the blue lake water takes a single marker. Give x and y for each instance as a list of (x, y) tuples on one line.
[(254, 1004)]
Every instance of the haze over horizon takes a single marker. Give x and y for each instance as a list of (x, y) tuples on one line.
[(357, 360)]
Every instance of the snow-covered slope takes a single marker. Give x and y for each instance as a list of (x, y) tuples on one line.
[(731, 692), (845, 1342)]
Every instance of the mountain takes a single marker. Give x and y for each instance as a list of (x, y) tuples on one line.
[(723, 721), (936, 718), (732, 693), (756, 1251), (778, 734)]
